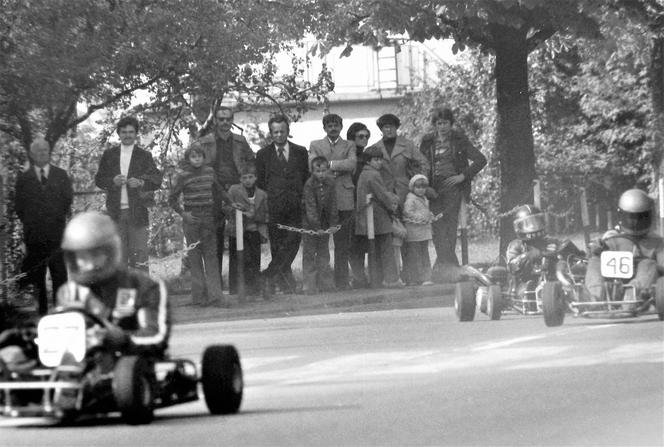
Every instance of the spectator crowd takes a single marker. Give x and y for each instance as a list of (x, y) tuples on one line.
[(386, 201)]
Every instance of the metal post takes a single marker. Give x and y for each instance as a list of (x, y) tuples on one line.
[(537, 196), (585, 220), (371, 236), (463, 226), (239, 250)]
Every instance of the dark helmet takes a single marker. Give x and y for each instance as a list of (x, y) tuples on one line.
[(529, 222), (92, 248), (635, 210)]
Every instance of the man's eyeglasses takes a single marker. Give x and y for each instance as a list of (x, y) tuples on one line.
[(224, 119), (361, 135)]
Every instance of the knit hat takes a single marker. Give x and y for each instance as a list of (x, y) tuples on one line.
[(415, 178)]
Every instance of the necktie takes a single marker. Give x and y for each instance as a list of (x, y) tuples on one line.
[(42, 175), (282, 156)]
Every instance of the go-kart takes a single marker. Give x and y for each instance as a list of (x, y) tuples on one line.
[(77, 373), (497, 291), (622, 299)]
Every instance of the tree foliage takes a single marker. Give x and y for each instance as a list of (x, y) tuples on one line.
[(56, 55)]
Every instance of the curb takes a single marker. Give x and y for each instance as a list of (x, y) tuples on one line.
[(438, 295)]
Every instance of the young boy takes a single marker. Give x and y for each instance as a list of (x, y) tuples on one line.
[(417, 218), (252, 201), (196, 185), (320, 213), (385, 204)]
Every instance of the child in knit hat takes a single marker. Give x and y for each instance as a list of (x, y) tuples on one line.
[(418, 218)]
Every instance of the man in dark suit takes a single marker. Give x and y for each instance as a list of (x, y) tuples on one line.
[(282, 168), (43, 203), (129, 176)]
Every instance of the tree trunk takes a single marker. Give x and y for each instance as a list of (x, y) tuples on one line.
[(657, 89), (514, 133)]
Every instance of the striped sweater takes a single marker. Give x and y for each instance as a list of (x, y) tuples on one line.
[(196, 186)]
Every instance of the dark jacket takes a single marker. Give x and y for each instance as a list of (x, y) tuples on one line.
[(242, 153), (43, 210), (463, 151), (283, 183), (320, 204), (142, 167)]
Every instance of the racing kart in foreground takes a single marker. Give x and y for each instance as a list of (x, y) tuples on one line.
[(498, 291), (77, 374), (622, 299)]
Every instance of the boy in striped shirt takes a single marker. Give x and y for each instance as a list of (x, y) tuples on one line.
[(196, 184)]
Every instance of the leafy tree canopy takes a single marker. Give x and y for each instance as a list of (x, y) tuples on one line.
[(58, 54)]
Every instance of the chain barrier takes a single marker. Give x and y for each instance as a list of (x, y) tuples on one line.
[(422, 221), (566, 213), (173, 256)]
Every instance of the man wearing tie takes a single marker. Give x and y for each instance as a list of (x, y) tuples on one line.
[(343, 159), (129, 176), (43, 202), (282, 168)]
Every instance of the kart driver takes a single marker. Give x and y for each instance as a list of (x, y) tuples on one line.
[(531, 244), (135, 306), (633, 233)]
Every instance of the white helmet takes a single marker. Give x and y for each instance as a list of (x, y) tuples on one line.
[(92, 248), (635, 210)]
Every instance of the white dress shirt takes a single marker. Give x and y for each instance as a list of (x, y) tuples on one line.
[(286, 149), (46, 168), (125, 159)]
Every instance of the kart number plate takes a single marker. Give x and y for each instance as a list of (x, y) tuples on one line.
[(617, 264)]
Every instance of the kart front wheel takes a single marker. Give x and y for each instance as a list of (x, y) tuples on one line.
[(221, 377), (133, 389), (553, 304), (659, 297), (464, 301), (494, 304)]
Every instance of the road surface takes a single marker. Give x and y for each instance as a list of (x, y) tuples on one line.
[(412, 377)]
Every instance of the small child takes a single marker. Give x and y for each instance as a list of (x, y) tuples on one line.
[(252, 201), (196, 185), (418, 219), (385, 205), (320, 213)]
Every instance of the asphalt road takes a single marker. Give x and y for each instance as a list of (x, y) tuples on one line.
[(413, 377)]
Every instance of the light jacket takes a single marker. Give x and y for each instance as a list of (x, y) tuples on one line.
[(343, 161), (399, 167)]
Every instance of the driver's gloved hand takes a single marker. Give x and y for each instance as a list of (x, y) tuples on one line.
[(115, 338)]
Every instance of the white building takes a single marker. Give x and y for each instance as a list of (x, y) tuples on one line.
[(368, 83)]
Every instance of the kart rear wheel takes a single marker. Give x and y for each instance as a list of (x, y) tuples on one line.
[(494, 304), (133, 389), (221, 377), (553, 304), (659, 297), (464, 301)]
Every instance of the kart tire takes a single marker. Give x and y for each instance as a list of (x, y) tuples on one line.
[(659, 298), (553, 304), (221, 377), (134, 389), (494, 302), (464, 301)]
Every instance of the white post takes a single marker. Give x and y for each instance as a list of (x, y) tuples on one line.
[(537, 198), (239, 248), (239, 231), (660, 192), (371, 234)]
